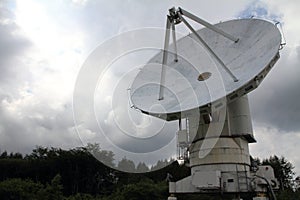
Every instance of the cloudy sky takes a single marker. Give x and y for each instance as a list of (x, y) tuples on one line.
[(43, 45)]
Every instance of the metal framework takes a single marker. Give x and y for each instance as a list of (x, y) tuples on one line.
[(175, 17), (226, 167)]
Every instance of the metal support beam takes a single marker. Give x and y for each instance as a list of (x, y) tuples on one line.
[(180, 124), (208, 25), (176, 17), (208, 48), (174, 42), (164, 60)]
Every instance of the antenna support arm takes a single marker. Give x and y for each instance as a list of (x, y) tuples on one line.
[(208, 25), (209, 49), (164, 60)]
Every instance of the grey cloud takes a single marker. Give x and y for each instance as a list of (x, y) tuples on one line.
[(276, 102), (54, 119), (259, 9), (13, 72), (51, 128), (30, 125), (12, 44), (101, 20)]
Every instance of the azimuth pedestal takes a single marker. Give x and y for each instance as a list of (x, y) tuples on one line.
[(219, 161)]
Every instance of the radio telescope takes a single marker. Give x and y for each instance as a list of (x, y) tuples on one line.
[(203, 80)]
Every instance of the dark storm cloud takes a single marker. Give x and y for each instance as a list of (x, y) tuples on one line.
[(12, 44), (47, 127), (12, 48), (276, 102)]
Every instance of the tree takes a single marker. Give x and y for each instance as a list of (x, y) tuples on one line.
[(160, 164), (16, 155), (142, 167), (80, 196), (146, 189), (297, 183), (126, 165), (38, 153), (19, 189), (3, 155), (288, 195), (28, 190), (106, 157), (283, 171), (54, 190)]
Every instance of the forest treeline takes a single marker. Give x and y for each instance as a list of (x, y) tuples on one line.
[(75, 174)]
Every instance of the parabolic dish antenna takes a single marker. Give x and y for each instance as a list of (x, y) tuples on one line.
[(212, 68), (193, 74)]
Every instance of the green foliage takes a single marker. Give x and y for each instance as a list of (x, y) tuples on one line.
[(146, 190), (54, 190), (283, 171), (27, 189), (126, 165), (107, 157), (81, 196), (75, 174), (11, 155), (160, 164), (19, 189), (80, 171), (142, 167), (288, 195)]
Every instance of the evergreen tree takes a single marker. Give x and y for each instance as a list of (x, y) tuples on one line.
[(283, 171)]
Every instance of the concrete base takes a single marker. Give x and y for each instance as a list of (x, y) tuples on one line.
[(219, 154)]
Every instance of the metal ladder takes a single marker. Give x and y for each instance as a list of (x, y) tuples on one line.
[(242, 180)]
